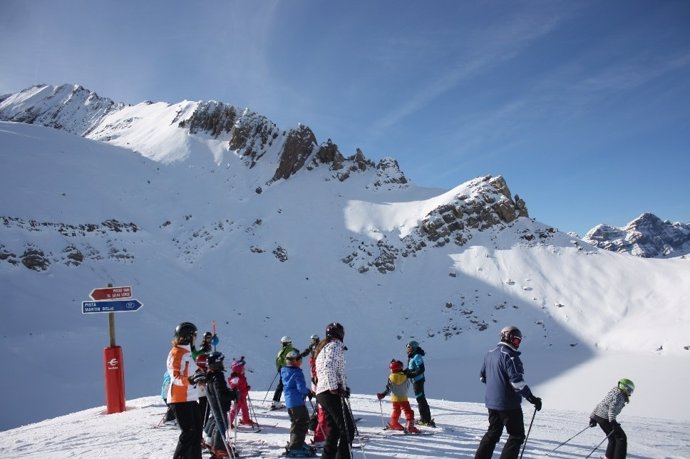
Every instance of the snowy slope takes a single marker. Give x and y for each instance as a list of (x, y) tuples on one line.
[(460, 426), (206, 245)]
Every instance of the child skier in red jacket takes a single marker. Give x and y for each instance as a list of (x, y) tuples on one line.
[(238, 381)]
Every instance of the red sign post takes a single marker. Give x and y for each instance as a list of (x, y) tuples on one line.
[(114, 379), (113, 363)]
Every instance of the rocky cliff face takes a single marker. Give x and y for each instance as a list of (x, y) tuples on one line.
[(647, 236), (485, 204)]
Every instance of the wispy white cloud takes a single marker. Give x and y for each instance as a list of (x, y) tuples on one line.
[(488, 49)]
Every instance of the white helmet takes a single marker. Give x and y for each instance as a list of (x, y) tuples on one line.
[(286, 340)]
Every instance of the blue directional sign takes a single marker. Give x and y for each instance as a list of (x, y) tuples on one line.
[(128, 305)]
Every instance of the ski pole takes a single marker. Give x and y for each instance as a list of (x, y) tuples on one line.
[(382, 420), (597, 447), (354, 424), (343, 408), (319, 425), (269, 387), (568, 440), (528, 431), (255, 419)]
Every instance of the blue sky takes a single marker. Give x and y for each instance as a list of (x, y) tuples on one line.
[(583, 106)]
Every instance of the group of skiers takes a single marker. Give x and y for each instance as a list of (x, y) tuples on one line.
[(196, 380)]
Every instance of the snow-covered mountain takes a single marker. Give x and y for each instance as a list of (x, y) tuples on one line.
[(647, 236), (211, 212)]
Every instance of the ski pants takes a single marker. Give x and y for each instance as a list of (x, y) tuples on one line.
[(422, 404), (618, 441), (188, 417), (341, 429), (321, 428), (279, 388), (299, 423), (405, 408), (242, 407), (513, 421)]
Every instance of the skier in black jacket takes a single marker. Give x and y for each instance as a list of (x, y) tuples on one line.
[(220, 398)]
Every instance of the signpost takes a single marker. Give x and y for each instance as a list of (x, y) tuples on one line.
[(110, 293), (111, 300), (88, 307)]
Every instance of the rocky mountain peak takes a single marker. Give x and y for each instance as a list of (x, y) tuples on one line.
[(647, 236), (71, 108)]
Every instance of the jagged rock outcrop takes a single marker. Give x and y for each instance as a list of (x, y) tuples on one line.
[(213, 117), (252, 136), (485, 203), (298, 146), (647, 236)]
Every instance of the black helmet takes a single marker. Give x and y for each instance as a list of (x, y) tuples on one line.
[(185, 331), (208, 336), (215, 361), (511, 335), (335, 330)]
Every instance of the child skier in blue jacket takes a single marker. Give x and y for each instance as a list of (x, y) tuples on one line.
[(295, 390)]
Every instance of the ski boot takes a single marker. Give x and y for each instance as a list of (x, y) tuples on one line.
[(304, 451), (411, 428), (429, 423), (394, 425)]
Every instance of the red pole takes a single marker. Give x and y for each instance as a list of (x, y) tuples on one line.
[(114, 368), (114, 379)]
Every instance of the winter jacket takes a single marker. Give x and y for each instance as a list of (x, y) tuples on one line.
[(280, 357), (612, 405), (330, 367), (238, 381), (398, 385), (415, 365), (181, 366), (294, 386), (502, 373)]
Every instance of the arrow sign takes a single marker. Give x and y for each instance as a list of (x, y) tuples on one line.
[(89, 307), (110, 293)]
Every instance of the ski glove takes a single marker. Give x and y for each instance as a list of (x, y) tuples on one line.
[(197, 378), (380, 395), (536, 401), (592, 422)]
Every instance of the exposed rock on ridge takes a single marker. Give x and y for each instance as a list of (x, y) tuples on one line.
[(486, 204), (79, 111)]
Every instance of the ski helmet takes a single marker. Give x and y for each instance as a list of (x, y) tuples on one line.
[(511, 335), (286, 340), (412, 345), (185, 331), (395, 366), (315, 338), (626, 386), (293, 355), (237, 366), (207, 336), (215, 361), (335, 330), (202, 361)]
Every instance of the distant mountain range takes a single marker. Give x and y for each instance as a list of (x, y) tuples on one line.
[(79, 111), (647, 236)]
